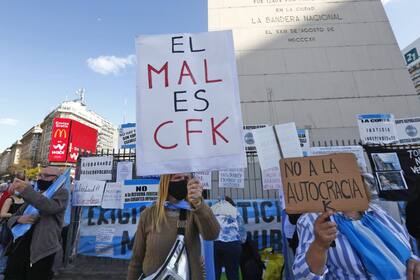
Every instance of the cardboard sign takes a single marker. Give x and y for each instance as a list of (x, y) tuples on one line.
[(188, 109), (320, 183)]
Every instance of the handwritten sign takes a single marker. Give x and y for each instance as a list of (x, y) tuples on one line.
[(231, 178), (321, 183), (113, 196), (188, 108), (88, 193)]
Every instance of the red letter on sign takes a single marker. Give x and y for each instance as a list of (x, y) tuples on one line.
[(214, 130), (206, 74), (150, 68), (182, 74), (188, 131), (156, 140)]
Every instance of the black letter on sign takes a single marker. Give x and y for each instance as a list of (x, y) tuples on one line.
[(264, 204), (191, 47), (101, 218), (180, 100), (173, 44), (123, 220), (201, 98), (126, 242), (90, 217), (244, 206)]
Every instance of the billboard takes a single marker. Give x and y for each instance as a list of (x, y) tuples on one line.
[(69, 138), (59, 140)]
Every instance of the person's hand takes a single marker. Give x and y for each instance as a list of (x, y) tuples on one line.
[(195, 190), (27, 219), (325, 231), (18, 185), (413, 270)]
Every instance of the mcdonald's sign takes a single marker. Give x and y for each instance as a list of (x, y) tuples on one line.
[(69, 138)]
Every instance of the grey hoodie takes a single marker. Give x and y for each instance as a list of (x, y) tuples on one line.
[(46, 234)]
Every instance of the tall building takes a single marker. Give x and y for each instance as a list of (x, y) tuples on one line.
[(31, 141), (4, 160), (77, 110), (15, 153), (318, 63), (412, 59)]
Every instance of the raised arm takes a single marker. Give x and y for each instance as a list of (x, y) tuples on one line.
[(47, 206)]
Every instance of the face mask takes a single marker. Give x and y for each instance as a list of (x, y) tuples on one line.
[(178, 189), (44, 185)]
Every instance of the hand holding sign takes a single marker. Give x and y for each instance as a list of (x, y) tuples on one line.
[(325, 231), (195, 190)]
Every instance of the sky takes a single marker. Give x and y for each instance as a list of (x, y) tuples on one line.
[(50, 48)]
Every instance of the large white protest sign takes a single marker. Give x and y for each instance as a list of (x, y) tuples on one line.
[(356, 150), (205, 178), (232, 178), (88, 193), (97, 168), (124, 171), (408, 130), (138, 190), (113, 196), (127, 136), (188, 108), (377, 128), (268, 149)]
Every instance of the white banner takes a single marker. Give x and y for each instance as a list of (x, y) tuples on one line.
[(127, 136), (232, 178), (356, 150), (377, 128), (113, 196), (139, 190), (205, 178), (88, 193), (124, 171), (188, 108), (268, 149), (408, 130), (97, 168)]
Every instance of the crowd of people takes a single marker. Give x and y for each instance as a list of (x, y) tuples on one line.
[(340, 245)]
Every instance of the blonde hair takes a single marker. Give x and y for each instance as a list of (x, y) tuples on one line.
[(159, 211)]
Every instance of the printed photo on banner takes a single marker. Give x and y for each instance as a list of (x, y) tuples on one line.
[(188, 109), (113, 196), (88, 193), (97, 168), (124, 171), (377, 128), (232, 178), (138, 190), (391, 181), (386, 161), (205, 179)]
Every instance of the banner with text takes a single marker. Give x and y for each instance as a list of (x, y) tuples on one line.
[(321, 183), (188, 108), (96, 168), (111, 232)]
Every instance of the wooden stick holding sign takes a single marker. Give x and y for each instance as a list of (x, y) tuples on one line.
[(321, 183)]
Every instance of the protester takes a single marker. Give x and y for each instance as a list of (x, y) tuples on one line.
[(227, 247), (368, 245), (157, 227), (412, 219), (32, 255)]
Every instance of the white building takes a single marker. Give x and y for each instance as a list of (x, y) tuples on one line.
[(411, 55), (78, 111), (318, 63), (30, 144)]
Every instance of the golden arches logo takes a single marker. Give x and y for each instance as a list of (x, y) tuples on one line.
[(62, 133)]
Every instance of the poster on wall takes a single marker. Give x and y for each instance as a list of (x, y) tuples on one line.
[(408, 130), (188, 108), (397, 170), (377, 128), (97, 168)]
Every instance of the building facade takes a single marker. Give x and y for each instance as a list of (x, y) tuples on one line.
[(77, 110), (31, 141), (318, 63), (411, 56)]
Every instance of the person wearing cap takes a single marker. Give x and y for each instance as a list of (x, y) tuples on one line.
[(32, 255)]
